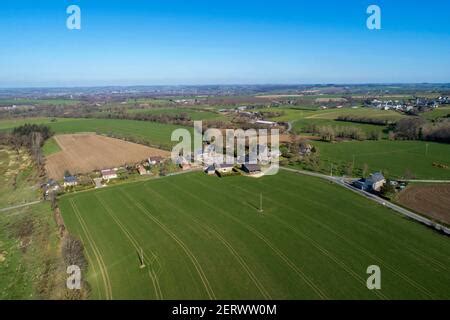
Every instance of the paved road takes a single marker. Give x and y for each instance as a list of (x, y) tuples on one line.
[(20, 206), (289, 127), (341, 181), (427, 181)]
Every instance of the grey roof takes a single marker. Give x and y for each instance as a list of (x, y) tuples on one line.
[(375, 177), (224, 165), (252, 167), (70, 179)]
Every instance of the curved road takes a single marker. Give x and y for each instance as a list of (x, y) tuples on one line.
[(20, 206), (340, 181)]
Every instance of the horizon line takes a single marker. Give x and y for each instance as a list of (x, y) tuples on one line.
[(222, 84)]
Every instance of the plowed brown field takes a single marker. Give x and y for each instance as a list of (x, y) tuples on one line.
[(430, 200), (83, 153)]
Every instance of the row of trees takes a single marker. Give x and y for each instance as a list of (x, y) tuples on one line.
[(329, 133), (179, 119), (419, 129), (29, 136), (365, 120)]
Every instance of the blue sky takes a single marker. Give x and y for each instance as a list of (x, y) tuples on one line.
[(137, 42)]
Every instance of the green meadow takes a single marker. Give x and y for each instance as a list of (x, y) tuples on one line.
[(441, 112), (194, 114), (194, 236), (153, 133), (39, 102), (394, 158), (303, 119)]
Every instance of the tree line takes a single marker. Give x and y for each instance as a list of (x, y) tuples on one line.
[(419, 129), (365, 120), (29, 136), (330, 133)]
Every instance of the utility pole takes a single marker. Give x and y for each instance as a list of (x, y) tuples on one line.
[(142, 258), (426, 149), (331, 174), (260, 203), (353, 161)]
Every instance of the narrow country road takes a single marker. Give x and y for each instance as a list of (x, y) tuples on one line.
[(340, 181), (20, 206), (426, 181)]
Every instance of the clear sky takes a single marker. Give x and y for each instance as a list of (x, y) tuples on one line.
[(137, 42)]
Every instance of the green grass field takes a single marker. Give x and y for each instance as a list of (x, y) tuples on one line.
[(392, 157), (39, 102), (440, 112), (30, 262), (50, 147), (156, 134), (194, 114), (302, 119), (29, 255), (17, 178), (204, 238)]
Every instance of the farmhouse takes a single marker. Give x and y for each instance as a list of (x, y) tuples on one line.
[(141, 170), (108, 174), (373, 183), (155, 160), (51, 186), (224, 168), (251, 168), (70, 181), (305, 149), (266, 123), (185, 166), (210, 170)]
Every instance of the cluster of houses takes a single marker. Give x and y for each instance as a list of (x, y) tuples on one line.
[(408, 105), (253, 117), (224, 169), (249, 164), (106, 175)]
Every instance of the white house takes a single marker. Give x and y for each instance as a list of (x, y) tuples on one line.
[(224, 168), (266, 123), (70, 181), (108, 174)]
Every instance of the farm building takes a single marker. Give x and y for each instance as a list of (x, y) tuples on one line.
[(141, 170), (51, 186), (373, 183), (70, 181), (266, 123), (155, 160), (305, 149), (210, 170), (108, 174), (185, 166), (224, 168), (251, 168)]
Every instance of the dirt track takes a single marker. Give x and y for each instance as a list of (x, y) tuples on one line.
[(83, 153), (430, 200)]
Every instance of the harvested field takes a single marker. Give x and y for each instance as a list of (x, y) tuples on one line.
[(430, 200), (83, 153)]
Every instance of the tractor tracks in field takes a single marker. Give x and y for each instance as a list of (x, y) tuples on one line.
[(431, 260), (277, 252), (182, 245), (151, 272), (360, 248), (95, 250), (229, 246), (316, 245)]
